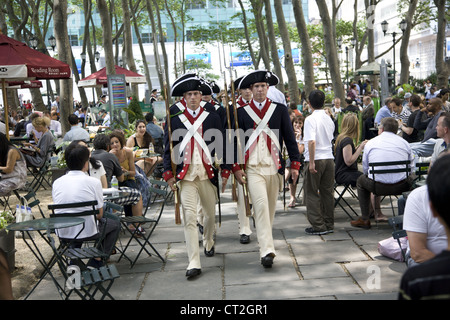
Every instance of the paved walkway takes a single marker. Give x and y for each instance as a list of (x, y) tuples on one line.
[(343, 265)]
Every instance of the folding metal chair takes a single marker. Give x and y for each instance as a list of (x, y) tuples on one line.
[(85, 283), (143, 239), (337, 201), (90, 280), (40, 174), (397, 225), (378, 168), (421, 172), (72, 249)]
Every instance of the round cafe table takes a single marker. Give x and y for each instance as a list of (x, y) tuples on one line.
[(44, 227)]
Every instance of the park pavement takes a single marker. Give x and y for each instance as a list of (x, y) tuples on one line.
[(343, 265)]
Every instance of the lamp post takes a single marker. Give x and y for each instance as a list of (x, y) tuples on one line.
[(384, 28), (346, 57), (34, 44)]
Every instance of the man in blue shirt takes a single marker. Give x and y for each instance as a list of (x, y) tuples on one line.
[(384, 112), (76, 132)]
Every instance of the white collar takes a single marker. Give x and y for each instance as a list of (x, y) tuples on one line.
[(260, 105), (195, 112)]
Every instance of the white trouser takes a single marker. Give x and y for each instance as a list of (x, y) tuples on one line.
[(244, 221), (263, 190), (191, 192)]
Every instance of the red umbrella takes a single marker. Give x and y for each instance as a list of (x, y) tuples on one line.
[(100, 78), (19, 62), (23, 84)]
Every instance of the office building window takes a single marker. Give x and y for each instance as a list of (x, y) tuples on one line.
[(73, 40), (196, 4)]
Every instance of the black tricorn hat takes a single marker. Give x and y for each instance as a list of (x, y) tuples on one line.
[(258, 76), (214, 86), (208, 88), (237, 82), (188, 82)]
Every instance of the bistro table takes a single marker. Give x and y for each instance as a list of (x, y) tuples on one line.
[(111, 195), (44, 227)]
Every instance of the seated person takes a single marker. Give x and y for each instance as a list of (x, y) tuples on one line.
[(55, 125), (38, 156), (431, 279), (106, 120), (76, 132), (433, 111), (384, 112), (387, 145), (141, 139), (112, 168), (346, 168), (83, 188), (155, 131), (13, 168), (351, 106), (410, 133), (31, 131), (426, 235)]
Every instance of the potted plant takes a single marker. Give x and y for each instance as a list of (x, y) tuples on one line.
[(7, 243), (61, 166)]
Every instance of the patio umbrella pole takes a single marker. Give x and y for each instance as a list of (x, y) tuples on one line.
[(5, 103)]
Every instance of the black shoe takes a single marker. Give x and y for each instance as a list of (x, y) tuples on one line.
[(244, 239), (209, 253), (200, 228), (312, 231), (267, 261), (193, 273)]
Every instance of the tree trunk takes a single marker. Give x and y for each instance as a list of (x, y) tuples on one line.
[(404, 59), (331, 52), (273, 45), (257, 8), (128, 38), (163, 46), (255, 60), (175, 33), (442, 67), (107, 36), (307, 59), (65, 55), (288, 60), (141, 47), (155, 44)]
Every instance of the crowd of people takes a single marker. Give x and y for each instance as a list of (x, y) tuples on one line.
[(282, 140)]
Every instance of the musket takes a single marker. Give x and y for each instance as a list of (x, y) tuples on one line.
[(176, 192), (248, 211), (227, 108), (174, 166)]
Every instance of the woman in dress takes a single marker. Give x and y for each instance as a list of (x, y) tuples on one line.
[(346, 169), (13, 168), (141, 139), (126, 161), (38, 156)]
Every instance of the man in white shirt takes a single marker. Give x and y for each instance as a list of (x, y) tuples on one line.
[(319, 164), (83, 188), (387, 146)]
